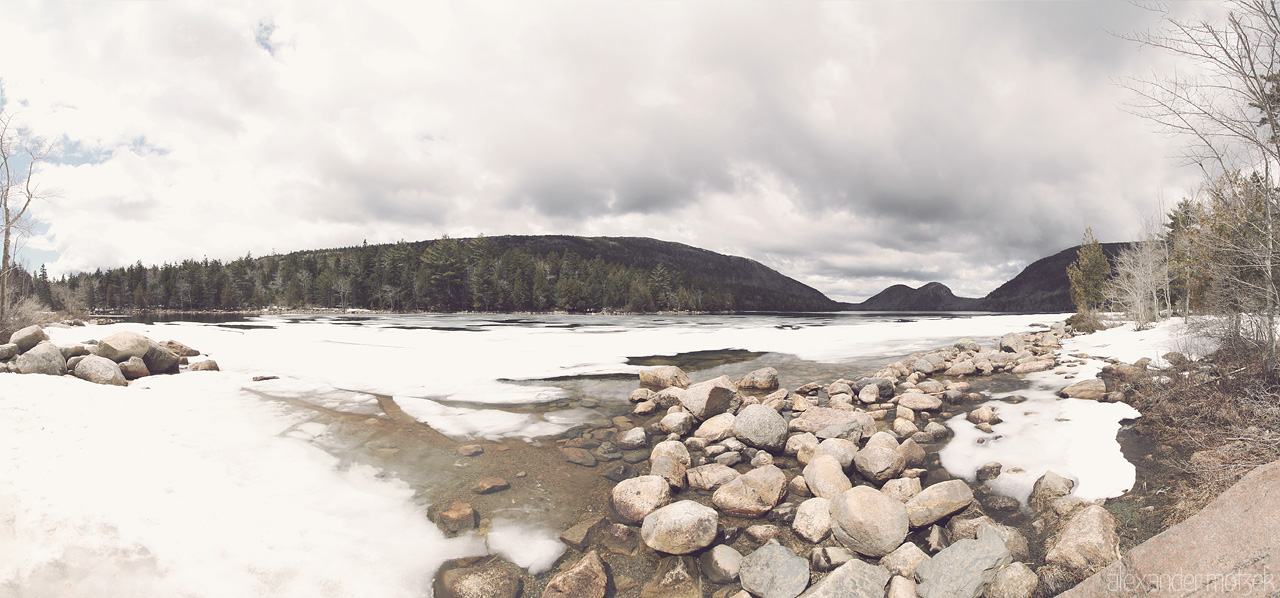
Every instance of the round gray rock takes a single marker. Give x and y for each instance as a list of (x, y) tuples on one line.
[(44, 358), (813, 520), (773, 571), (761, 427), (680, 528), (28, 337), (879, 464), (636, 498), (123, 345), (99, 370), (938, 501), (868, 521)]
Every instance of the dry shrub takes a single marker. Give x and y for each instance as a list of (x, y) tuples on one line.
[(28, 311), (1221, 417)]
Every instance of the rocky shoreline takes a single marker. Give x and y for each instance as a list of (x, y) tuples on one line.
[(736, 488), (115, 360)]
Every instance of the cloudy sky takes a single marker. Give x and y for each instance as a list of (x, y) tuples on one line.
[(850, 145)]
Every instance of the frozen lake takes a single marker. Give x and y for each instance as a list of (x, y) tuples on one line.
[(208, 484)]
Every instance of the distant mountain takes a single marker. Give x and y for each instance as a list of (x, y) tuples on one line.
[(934, 296), (1042, 286)]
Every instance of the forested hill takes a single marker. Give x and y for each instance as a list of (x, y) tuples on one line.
[(505, 273)]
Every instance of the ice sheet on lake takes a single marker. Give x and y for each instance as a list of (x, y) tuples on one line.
[(463, 423), (186, 488)]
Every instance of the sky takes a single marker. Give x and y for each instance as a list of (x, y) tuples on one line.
[(849, 145)]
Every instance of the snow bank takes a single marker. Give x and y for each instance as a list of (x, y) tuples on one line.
[(187, 489), (1072, 437)]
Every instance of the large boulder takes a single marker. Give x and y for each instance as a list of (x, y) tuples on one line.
[(774, 571), (919, 402), (1092, 389), (761, 427), (854, 579), (964, 568), (664, 376), (1087, 543), (28, 337), (160, 360), (710, 398), (43, 358), (8, 351), (761, 379), (825, 478), (123, 345), (134, 368), (680, 527), (938, 501), (586, 579), (868, 522), (636, 498), (716, 429), (180, 349), (100, 370), (752, 494)]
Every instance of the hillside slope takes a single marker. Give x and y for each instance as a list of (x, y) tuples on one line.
[(1042, 286), (933, 296)]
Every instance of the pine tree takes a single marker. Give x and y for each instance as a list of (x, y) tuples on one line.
[(1088, 275)]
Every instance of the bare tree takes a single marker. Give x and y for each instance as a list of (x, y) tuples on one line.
[(20, 159), (1227, 103), (1141, 272)]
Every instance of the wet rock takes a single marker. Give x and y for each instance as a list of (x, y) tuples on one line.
[(710, 398), (938, 501), (680, 527), (207, 365), (879, 464), (760, 427), (716, 428), (636, 456), (1087, 543), (644, 407), (1014, 581), (620, 539), (962, 368), (636, 498), (729, 458), (677, 577), (607, 451), (904, 428), (752, 494), (1038, 365), (869, 394), (640, 394), (711, 476), (826, 558), (633, 439), (459, 517), (813, 520), (491, 580), (963, 568), (580, 534), (773, 571), (620, 472), (1092, 389), (901, 489), (825, 478), (721, 564), (470, 450), (668, 397), (989, 471), (904, 560), (586, 579), (854, 579), (99, 370), (489, 485), (919, 402), (936, 431), (868, 522), (983, 415), (43, 358), (763, 533), (676, 423), (1048, 488), (664, 376), (761, 379), (578, 456)]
